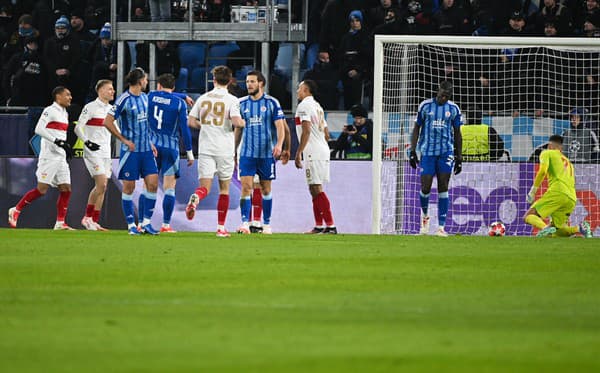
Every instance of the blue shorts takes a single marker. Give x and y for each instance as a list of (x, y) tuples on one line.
[(135, 164), (263, 167), (437, 164), (167, 161)]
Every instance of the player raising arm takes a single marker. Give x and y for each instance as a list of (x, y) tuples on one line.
[(313, 134), (216, 113), (437, 130), (558, 202)]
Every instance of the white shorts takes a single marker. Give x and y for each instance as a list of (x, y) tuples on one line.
[(53, 172), (209, 165), (317, 172), (98, 166)]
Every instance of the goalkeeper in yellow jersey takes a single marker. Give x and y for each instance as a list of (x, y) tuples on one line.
[(560, 199)]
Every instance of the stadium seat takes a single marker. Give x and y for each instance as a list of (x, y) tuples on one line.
[(198, 80), (182, 80), (192, 54), (218, 53), (240, 75)]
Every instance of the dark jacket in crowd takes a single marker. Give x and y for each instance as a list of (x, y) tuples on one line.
[(167, 59), (26, 79)]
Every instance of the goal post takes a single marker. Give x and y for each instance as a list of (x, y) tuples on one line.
[(520, 89)]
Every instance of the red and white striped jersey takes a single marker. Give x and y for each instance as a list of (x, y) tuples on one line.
[(53, 124), (310, 110), (90, 126)]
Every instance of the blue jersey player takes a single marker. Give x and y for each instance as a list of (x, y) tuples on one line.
[(168, 122), (137, 152), (437, 130), (262, 141)]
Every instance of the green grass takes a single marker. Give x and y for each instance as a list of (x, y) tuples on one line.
[(88, 301)]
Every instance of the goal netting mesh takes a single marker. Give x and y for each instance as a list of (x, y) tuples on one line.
[(514, 93)]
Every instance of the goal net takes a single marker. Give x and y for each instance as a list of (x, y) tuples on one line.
[(514, 93)]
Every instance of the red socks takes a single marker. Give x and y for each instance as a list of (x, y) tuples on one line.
[(201, 192), (29, 197), (61, 205), (222, 207), (96, 215), (317, 213), (89, 211), (324, 207), (256, 204)]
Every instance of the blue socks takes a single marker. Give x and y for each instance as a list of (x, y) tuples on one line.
[(168, 205), (149, 203), (267, 208), (424, 198), (443, 202), (127, 203), (245, 207)]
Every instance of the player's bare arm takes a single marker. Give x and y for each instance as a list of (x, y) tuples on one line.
[(109, 123), (193, 122), (287, 144), (238, 122), (279, 124), (303, 141), (414, 159)]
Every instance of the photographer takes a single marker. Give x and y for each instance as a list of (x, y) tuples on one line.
[(356, 140)]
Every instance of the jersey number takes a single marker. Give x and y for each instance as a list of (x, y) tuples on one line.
[(158, 114), (217, 111), (567, 167)]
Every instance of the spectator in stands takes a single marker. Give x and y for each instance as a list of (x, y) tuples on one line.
[(167, 58), (377, 15), (62, 54), (356, 60), (218, 11), (556, 12), (356, 140), (591, 26), (26, 77), (86, 39), (96, 14), (415, 21), (160, 10), (16, 42), (550, 29), (450, 19), (580, 141), (334, 25), (517, 25), (104, 60), (327, 77), (392, 24), (45, 13), (7, 26)]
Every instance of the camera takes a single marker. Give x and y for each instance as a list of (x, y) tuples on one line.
[(350, 127)]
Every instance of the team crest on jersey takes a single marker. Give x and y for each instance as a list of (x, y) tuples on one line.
[(263, 109), (44, 175), (447, 114)]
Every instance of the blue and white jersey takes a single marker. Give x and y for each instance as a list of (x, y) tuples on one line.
[(437, 124), (132, 113), (260, 134), (167, 120)]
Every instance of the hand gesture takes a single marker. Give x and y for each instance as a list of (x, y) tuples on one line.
[(285, 157), (298, 160)]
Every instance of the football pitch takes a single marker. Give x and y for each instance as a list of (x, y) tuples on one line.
[(88, 301)]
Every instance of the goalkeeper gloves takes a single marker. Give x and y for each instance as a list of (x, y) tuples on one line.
[(413, 159), (66, 146), (92, 145), (531, 194), (457, 165)]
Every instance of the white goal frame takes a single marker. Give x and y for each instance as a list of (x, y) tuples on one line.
[(450, 41)]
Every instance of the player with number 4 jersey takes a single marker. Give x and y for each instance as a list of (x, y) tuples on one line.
[(216, 113), (167, 118)]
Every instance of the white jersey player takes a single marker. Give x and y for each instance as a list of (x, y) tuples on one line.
[(313, 135), (216, 113), (96, 155), (52, 169)]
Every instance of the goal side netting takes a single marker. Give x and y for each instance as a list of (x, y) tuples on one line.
[(514, 93)]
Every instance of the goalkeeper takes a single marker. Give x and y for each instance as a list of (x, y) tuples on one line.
[(437, 130), (559, 201)]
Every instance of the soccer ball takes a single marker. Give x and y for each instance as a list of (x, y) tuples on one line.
[(497, 229)]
